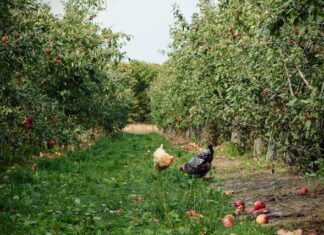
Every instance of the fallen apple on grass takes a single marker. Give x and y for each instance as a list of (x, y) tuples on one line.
[(239, 206), (239, 209), (262, 219), (138, 199), (259, 205), (303, 191), (229, 192), (238, 203), (194, 213), (228, 221)]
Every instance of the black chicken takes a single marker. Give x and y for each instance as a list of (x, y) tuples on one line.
[(200, 164)]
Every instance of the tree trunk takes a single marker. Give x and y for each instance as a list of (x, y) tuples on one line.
[(257, 147), (236, 138), (271, 152)]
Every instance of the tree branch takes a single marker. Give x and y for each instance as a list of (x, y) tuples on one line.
[(303, 77), (287, 72)]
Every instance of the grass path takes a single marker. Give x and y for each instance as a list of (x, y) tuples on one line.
[(112, 188)]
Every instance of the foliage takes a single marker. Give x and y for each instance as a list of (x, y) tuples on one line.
[(255, 67), (138, 75), (94, 192), (56, 76)]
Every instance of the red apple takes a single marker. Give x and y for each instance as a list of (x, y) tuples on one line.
[(48, 51), (28, 126), (239, 209), (259, 205), (228, 221), (90, 17), (291, 42), (318, 50), (303, 191), (262, 219), (59, 57), (232, 37), (229, 217), (194, 213), (51, 143), (230, 29), (4, 39), (138, 199), (239, 203)]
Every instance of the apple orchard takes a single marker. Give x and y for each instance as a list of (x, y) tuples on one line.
[(252, 69)]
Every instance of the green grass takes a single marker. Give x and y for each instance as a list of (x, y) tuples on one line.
[(232, 150), (80, 193)]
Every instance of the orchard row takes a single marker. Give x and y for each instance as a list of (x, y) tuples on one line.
[(250, 69)]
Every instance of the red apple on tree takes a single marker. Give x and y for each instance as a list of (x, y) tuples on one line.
[(291, 42), (51, 143), (318, 50), (48, 51), (28, 126), (4, 39)]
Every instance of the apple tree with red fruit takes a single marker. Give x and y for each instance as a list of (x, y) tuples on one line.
[(59, 70), (266, 83)]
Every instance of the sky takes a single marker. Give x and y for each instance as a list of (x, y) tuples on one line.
[(148, 21)]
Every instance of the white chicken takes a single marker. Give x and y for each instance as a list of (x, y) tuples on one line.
[(162, 159)]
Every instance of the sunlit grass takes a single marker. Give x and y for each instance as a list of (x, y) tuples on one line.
[(112, 188)]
